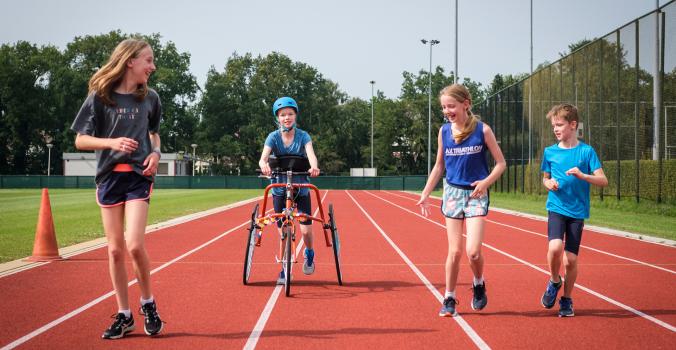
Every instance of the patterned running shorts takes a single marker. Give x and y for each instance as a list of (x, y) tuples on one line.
[(458, 204)]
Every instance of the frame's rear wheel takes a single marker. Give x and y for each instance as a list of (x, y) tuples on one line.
[(250, 245), (336, 243)]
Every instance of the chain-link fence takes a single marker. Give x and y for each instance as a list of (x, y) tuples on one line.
[(611, 81)]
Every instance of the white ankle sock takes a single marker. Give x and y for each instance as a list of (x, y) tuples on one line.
[(449, 294), (478, 281), (127, 313), (147, 301)]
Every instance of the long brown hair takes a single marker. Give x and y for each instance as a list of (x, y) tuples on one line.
[(461, 94), (110, 75)]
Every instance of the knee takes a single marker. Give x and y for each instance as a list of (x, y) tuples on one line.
[(474, 255), (454, 255), (115, 254), (571, 260), (136, 250)]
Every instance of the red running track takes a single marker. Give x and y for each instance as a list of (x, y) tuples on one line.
[(393, 278)]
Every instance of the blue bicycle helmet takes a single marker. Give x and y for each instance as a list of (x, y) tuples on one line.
[(284, 102)]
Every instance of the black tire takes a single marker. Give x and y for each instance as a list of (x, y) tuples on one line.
[(336, 243), (250, 246), (287, 261)]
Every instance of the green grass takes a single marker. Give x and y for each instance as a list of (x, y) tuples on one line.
[(77, 217), (645, 218)]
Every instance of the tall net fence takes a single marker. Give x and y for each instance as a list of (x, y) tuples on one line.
[(611, 81)]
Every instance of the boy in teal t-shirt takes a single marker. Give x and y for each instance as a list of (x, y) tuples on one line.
[(568, 167)]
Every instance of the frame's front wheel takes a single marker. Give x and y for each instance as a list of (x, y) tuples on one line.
[(250, 245), (287, 260), (336, 243)]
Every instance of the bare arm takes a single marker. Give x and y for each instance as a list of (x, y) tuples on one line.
[(152, 161), (314, 165), (91, 143), (263, 162), (500, 165), (435, 175), (598, 178)]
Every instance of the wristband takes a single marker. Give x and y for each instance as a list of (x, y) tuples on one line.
[(159, 153)]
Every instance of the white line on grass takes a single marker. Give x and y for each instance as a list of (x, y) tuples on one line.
[(480, 343), (581, 245), (577, 285)]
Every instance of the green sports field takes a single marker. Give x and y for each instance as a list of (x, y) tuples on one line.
[(77, 218)]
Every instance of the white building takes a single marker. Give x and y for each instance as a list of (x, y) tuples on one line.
[(84, 164)]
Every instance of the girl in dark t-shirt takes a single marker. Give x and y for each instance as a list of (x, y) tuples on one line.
[(120, 120)]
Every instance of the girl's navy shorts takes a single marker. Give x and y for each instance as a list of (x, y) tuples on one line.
[(122, 187)]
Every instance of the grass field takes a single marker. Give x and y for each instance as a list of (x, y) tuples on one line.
[(77, 217), (645, 218)]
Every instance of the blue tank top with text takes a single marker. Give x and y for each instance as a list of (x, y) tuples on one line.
[(465, 161)]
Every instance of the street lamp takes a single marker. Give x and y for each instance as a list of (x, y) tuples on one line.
[(373, 83), (194, 146), (429, 107), (49, 158)]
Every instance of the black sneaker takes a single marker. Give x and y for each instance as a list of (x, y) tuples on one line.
[(448, 308), (480, 299), (120, 327), (152, 324)]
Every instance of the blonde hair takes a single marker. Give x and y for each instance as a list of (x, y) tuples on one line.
[(111, 74), (566, 111), (461, 94)]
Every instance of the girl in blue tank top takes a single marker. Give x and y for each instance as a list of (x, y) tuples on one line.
[(462, 147)]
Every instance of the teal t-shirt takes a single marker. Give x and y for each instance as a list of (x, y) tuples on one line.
[(572, 197), (296, 148)]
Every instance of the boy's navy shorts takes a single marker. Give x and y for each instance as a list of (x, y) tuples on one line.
[(121, 187), (303, 204), (559, 226)]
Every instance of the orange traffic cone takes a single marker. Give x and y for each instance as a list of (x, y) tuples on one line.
[(45, 247)]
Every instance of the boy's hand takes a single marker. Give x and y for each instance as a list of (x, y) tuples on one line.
[(576, 172), (551, 184)]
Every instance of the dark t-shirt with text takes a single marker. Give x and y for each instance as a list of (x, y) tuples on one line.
[(130, 118)]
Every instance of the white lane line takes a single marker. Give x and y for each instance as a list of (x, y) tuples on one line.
[(581, 245), (577, 285), (270, 305), (480, 343), (79, 310)]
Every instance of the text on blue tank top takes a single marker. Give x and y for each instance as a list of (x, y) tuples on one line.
[(465, 162)]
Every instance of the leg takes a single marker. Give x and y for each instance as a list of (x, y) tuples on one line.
[(304, 205), (113, 221), (555, 232), (570, 262), (454, 233), (136, 213), (475, 237), (554, 255)]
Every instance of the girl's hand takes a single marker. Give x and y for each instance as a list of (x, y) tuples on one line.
[(123, 144), (424, 205), (151, 162), (265, 169), (551, 184), (480, 189), (314, 172)]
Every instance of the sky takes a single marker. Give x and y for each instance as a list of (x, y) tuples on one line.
[(350, 42)]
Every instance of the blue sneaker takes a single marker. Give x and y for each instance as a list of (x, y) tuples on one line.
[(309, 265), (549, 298), (448, 307), (281, 279), (566, 307)]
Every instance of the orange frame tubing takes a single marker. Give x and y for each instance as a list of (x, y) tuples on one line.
[(273, 216)]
